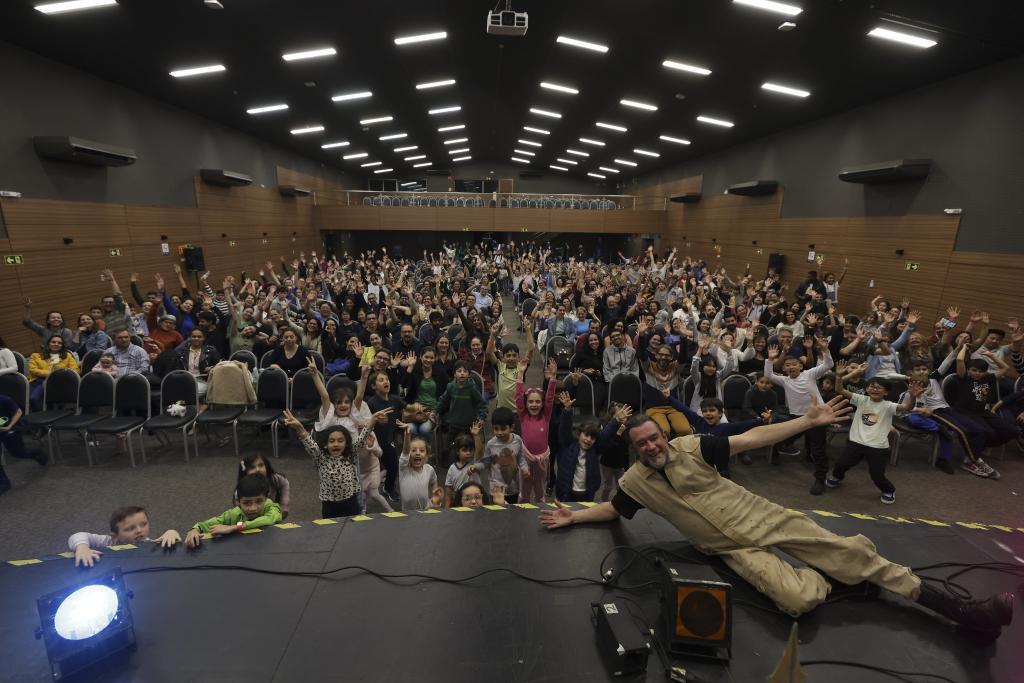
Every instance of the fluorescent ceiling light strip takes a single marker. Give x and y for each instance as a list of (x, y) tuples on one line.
[(545, 112), (458, 151), (521, 161), (72, 6), (611, 126), (646, 152), (559, 88), (371, 164), (444, 110), (541, 131), (578, 152), (345, 97), (198, 70), (456, 141), (625, 162), (405, 149), (378, 119), (529, 143), (638, 105), (358, 155), (904, 38), (559, 168), (678, 141), (446, 129), (393, 136), (421, 38), (523, 151), (309, 54), (266, 109), (575, 42), (715, 122), (435, 84), (591, 141), (609, 169), (384, 170), (411, 182), (415, 157), (689, 68), (596, 175), (466, 158), (785, 90), (567, 161), (772, 6), (332, 145), (307, 129), (425, 163)]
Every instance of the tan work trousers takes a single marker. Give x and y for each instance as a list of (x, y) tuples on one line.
[(672, 422)]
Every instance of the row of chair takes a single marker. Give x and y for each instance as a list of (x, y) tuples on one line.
[(502, 203)]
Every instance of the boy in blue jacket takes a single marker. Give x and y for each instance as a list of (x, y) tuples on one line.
[(578, 465)]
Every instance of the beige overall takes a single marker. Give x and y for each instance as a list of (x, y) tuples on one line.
[(722, 518)]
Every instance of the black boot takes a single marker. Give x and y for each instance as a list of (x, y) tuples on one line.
[(988, 616)]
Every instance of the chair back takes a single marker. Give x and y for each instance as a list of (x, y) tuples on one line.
[(131, 396), (478, 380), (626, 388), (19, 360), (897, 387), (318, 358), (96, 392), (247, 357), (340, 382), (90, 360), (561, 349), (272, 388), (179, 385), (585, 396), (14, 385), (61, 388), (528, 307), (734, 389), (265, 359), (303, 391), (949, 388)]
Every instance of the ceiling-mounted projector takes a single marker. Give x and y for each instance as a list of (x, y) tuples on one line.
[(507, 22)]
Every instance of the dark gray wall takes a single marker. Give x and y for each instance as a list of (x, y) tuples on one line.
[(971, 125), (42, 97), (554, 182)]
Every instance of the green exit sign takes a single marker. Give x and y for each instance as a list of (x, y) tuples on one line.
[(14, 260), (912, 266), (115, 252)]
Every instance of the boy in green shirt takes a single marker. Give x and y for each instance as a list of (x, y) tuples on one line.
[(254, 510), (507, 366)]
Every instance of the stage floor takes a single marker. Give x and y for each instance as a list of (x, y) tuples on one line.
[(240, 626)]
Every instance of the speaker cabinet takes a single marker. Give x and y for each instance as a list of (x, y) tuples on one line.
[(686, 198), (697, 612), (754, 188), (194, 259), (777, 262), (899, 170), (79, 151), (218, 176)]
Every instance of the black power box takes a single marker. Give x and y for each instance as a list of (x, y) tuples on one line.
[(623, 645)]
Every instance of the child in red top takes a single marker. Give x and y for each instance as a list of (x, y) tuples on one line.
[(534, 409)]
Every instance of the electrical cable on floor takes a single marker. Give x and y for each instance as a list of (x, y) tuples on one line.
[(900, 675)]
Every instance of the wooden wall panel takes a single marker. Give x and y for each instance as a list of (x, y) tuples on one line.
[(356, 217), (515, 220), (457, 218)]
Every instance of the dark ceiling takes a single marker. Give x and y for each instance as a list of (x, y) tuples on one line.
[(498, 78)]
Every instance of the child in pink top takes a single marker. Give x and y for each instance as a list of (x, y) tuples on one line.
[(534, 409)]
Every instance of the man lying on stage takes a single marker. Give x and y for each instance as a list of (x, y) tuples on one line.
[(678, 481)]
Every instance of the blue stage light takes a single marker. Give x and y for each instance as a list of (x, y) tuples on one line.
[(86, 622)]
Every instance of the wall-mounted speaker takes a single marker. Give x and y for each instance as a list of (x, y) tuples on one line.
[(686, 198), (194, 259), (899, 170), (293, 191), (218, 176), (777, 262), (697, 612), (754, 188)]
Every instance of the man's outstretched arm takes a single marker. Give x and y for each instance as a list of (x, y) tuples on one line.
[(818, 416), (563, 516)]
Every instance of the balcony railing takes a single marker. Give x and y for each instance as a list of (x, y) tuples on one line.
[(494, 200)]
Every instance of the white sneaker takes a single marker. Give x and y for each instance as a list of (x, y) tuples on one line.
[(974, 468), (889, 498), (989, 471)]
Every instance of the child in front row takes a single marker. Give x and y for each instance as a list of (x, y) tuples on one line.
[(254, 511), (869, 429), (417, 480), (464, 470), (129, 524), (504, 458), (334, 454), (578, 473), (279, 486), (535, 408), (710, 422)]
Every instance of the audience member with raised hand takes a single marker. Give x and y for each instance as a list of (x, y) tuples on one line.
[(417, 479), (334, 453), (128, 525), (54, 325), (504, 457), (578, 475), (425, 381), (535, 408), (468, 449), (370, 452), (461, 404)]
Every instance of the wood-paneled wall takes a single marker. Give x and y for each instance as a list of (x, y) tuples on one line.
[(724, 229), (66, 277)]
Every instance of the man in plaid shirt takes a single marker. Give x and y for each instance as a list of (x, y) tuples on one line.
[(127, 356)]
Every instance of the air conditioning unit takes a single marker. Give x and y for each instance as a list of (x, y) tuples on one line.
[(218, 176), (293, 191), (79, 151), (754, 188), (686, 198), (507, 23), (899, 170)]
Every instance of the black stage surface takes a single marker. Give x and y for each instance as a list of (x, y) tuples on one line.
[(239, 626)]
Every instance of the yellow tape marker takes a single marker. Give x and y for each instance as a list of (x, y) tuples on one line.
[(206, 537), (525, 506), (362, 518), (462, 509), (252, 531), (322, 522), (1001, 528), (552, 505), (287, 525), (67, 554), (932, 522), (862, 516), (825, 513), (588, 504), (495, 507), (22, 563), (126, 546), (972, 525), (901, 520), (1021, 529), (395, 514), (430, 511)]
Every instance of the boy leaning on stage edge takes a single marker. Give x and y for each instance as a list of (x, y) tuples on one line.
[(254, 510), (129, 524)]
